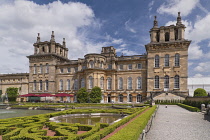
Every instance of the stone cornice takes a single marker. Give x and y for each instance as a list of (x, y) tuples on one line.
[(167, 46)]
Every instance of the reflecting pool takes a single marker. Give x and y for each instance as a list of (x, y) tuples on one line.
[(90, 119), (11, 113)]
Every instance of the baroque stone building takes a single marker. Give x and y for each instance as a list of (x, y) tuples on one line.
[(161, 72)]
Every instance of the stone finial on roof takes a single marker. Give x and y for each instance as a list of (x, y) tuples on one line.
[(179, 19), (155, 22), (52, 37), (64, 42), (38, 38)]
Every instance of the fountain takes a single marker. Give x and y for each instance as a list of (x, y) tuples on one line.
[(3, 101)]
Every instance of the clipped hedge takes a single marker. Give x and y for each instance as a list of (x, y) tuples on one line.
[(190, 108), (102, 133), (133, 129), (30, 127)]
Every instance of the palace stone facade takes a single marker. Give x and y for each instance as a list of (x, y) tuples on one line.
[(161, 72)]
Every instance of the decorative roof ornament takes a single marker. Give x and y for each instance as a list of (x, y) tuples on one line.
[(38, 38), (52, 37), (64, 42), (155, 22), (179, 19)]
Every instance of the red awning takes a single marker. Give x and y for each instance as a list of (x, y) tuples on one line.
[(46, 95), (29, 95), (63, 95)]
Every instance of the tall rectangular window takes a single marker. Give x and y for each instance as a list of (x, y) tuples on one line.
[(139, 66), (110, 66), (157, 60), (177, 59), (40, 85), (129, 66), (41, 68), (47, 68), (120, 67), (166, 60), (34, 86), (35, 69), (61, 70), (157, 82), (68, 70), (46, 85), (176, 82), (68, 85)]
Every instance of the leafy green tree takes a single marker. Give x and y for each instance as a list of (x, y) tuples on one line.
[(82, 95), (95, 95), (12, 93), (200, 92)]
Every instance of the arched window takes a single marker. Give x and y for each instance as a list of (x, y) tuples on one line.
[(177, 59), (34, 85), (130, 98), (138, 98), (120, 98), (139, 82), (167, 60), (68, 84), (167, 36), (40, 85), (129, 83), (91, 63), (82, 82), (61, 85), (75, 84), (156, 81), (120, 83), (46, 85), (41, 68), (176, 81), (35, 69), (166, 82), (102, 82), (109, 83), (90, 82), (157, 60), (47, 68)]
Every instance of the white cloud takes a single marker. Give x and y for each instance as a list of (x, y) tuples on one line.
[(198, 75), (128, 27), (150, 5), (200, 30), (21, 20), (117, 41), (203, 67), (173, 6), (195, 51)]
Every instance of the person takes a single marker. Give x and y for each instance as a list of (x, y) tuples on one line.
[(166, 106)]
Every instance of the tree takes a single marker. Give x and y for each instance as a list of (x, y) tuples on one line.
[(12, 93), (82, 95), (95, 95), (200, 92)]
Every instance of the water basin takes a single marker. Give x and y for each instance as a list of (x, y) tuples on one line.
[(90, 119)]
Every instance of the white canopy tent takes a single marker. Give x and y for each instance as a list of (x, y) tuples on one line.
[(194, 83)]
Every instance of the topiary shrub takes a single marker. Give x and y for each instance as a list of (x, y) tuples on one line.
[(200, 92)]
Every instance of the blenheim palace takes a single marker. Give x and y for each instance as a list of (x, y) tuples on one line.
[(161, 72)]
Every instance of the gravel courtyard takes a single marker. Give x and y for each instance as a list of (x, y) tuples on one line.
[(176, 123)]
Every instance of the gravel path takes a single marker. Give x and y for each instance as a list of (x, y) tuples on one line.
[(176, 123)]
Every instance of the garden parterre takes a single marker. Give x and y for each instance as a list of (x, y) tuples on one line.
[(30, 127)]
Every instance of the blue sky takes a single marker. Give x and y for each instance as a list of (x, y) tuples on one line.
[(89, 25)]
